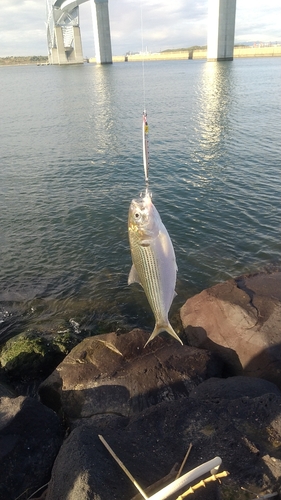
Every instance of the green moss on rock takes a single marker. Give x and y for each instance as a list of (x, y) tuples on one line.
[(30, 355), (22, 345)]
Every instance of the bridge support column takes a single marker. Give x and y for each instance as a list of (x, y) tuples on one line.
[(66, 55), (101, 31), (58, 53), (75, 55), (221, 28)]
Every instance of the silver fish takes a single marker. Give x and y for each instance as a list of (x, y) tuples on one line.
[(154, 263)]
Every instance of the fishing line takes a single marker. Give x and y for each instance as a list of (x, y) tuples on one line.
[(142, 50), (144, 116)]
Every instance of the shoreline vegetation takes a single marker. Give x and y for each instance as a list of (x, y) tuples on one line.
[(22, 60), (192, 53)]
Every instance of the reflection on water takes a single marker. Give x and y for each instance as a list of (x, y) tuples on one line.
[(72, 162), (215, 99), (222, 178), (101, 121)]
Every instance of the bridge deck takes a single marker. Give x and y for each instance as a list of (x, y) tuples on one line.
[(68, 5)]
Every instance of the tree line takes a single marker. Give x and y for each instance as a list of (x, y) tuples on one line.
[(23, 60)]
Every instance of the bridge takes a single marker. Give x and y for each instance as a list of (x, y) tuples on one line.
[(64, 37), (63, 31)]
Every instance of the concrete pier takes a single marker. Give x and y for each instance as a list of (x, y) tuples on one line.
[(101, 31), (57, 54), (72, 54), (63, 31), (77, 45), (221, 29)]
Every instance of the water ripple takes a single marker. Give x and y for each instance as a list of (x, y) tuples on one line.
[(72, 161)]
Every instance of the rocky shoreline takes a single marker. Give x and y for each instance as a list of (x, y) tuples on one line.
[(220, 392)]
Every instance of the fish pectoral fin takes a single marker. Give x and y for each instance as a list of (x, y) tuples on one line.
[(163, 328), (133, 276)]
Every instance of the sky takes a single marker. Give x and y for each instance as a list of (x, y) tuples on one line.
[(135, 24)]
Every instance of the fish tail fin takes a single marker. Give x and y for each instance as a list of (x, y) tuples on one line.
[(163, 328)]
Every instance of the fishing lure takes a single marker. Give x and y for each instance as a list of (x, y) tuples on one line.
[(145, 147)]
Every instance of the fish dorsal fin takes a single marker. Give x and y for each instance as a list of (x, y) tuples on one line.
[(133, 276)]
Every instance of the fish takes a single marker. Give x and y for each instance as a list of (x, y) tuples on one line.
[(154, 262)]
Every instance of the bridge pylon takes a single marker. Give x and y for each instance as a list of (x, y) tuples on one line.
[(101, 31), (63, 34), (221, 30), (63, 31)]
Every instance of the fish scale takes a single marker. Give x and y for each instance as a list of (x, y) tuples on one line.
[(154, 264), (152, 283)]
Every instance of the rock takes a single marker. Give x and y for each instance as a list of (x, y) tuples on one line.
[(244, 432), (240, 321), (151, 403), (83, 462), (30, 438), (6, 390), (113, 373), (233, 388), (30, 356)]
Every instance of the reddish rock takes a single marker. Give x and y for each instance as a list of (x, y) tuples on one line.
[(241, 321), (113, 373)]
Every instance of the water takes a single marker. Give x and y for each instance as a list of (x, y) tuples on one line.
[(71, 161)]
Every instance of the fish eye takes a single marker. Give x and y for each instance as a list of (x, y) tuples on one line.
[(137, 215)]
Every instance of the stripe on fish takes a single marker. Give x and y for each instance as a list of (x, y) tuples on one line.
[(154, 263)]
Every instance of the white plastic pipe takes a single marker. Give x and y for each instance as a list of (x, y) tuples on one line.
[(187, 478)]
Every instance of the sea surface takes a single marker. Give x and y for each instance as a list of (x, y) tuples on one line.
[(71, 161)]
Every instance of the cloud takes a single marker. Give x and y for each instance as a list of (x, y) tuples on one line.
[(154, 24), (258, 20), (22, 28)]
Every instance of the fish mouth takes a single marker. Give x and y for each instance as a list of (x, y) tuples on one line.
[(143, 201)]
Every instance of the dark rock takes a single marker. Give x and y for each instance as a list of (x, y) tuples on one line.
[(244, 432), (240, 320), (116, 374), (151, 403), (6, 391), (29, 356), (233, 388), (30, 437), (88, 470)]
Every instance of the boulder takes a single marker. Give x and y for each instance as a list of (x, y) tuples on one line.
[(6, 390), (244, 432), (233, 388), (113, 373), (30, 438), (240, 320), (31, 356)]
